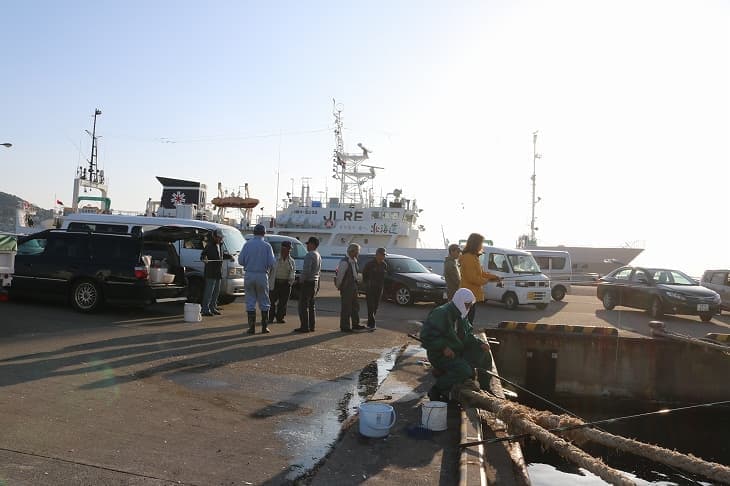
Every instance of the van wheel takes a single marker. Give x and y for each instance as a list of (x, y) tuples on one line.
[(558, 292), (655, 311), (226, 299), (609, 301), (403, 296), (706, 316), (86, 296), (510, 300), (195, 290)]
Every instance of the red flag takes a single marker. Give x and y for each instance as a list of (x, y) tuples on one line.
[(59, 202)]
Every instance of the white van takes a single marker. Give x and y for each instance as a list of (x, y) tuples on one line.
[(559, 269), (522, 281), (189, 250), (298, 252)]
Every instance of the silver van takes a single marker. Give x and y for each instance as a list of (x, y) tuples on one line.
[(189, 249), (719, 281), (558, 267)]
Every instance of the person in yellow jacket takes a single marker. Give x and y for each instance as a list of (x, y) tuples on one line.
[(472, 275)]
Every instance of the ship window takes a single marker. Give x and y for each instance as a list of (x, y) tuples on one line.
[(376, 214)]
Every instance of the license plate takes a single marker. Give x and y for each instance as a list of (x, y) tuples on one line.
[(703, 307)]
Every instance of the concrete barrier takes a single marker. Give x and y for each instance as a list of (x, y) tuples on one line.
[(594, 365), (560, 328)]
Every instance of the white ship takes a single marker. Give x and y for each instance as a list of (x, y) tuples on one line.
[(356, 215)]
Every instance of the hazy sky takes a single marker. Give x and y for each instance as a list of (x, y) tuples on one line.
[(631, 100)]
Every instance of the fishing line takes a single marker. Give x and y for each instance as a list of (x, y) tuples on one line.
[(584, 425)]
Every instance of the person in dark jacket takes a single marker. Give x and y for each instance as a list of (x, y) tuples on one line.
[(452, 270), (346, 283), (452, 348), (373, 278), (280, 282), (212, 255), (309, 286)]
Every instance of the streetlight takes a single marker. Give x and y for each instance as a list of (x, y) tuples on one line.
[(6, 144)]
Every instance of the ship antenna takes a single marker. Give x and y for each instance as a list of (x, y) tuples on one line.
[(346, 166), (535, 156)]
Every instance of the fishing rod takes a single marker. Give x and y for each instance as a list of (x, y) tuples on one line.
[(584, 425)]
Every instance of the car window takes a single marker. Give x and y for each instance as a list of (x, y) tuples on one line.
[(406, 265), (197, 242), (497, 262), (558, 263), (108, 249), (35, 246), (98, 227), (622, 274), (522, 264), (640, 276), (719, 278), (543, 262)]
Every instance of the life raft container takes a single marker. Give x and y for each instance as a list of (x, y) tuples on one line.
[(235, 202)]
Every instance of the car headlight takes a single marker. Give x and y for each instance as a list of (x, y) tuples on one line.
[(716, 298), (676, 296), (424, 285), (521, 283), (235, 272)]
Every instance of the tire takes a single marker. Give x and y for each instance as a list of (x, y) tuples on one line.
[(706, 316), (403, 296), (655, 310), (86, 296), (542, 306), (609, 301), (510, 300), (226, 299), (558, 292), (195, 290)]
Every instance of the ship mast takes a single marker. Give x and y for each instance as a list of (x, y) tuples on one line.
[(91, 178), (535, 156), (346, 167)]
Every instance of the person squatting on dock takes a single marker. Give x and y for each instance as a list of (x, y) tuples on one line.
[(280, 283), (346, 283), (309, 285), (452, 270), (373, 279), (452, 348), (472, 275), (257, 258), (212, 255)]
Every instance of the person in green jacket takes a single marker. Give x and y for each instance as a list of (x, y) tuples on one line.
[(451, 347)]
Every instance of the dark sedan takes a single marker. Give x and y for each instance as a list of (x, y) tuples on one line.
[(659, 291), (408, 281)]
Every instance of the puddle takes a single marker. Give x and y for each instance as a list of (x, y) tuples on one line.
[(309, 412), (310, 440)]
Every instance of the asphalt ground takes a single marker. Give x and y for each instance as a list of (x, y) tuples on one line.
[(138, 396)]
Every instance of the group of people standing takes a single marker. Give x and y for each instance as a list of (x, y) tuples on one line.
[(269, 281)]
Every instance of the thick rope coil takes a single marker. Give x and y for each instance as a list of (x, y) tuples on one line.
[(686, 462), (518, 418)]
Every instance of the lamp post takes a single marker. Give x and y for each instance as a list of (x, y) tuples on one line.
[(6, 144), (535, 156)]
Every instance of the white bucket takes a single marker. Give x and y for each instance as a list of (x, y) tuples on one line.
[(433, 416), (192, 313), (376, 419)]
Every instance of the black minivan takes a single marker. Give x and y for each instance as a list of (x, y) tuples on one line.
[(89, 269)]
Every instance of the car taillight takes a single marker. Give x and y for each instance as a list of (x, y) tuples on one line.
[(141, 272)]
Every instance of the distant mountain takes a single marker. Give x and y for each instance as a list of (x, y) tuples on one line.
[(9, 204)]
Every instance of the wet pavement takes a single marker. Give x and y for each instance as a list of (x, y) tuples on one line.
[(137, 396)]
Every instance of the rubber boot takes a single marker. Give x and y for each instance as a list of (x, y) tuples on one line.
[(265, 322), (252, 322)]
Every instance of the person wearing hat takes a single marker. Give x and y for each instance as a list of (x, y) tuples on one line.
[(257, 258), (280, 283), (213, 273), (373, 278), (308, 286), (452, 270), (452, 348)]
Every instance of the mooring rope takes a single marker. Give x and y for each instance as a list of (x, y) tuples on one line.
[(686, 462), (518, 418)]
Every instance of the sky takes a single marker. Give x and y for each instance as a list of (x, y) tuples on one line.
[(631, 101)]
